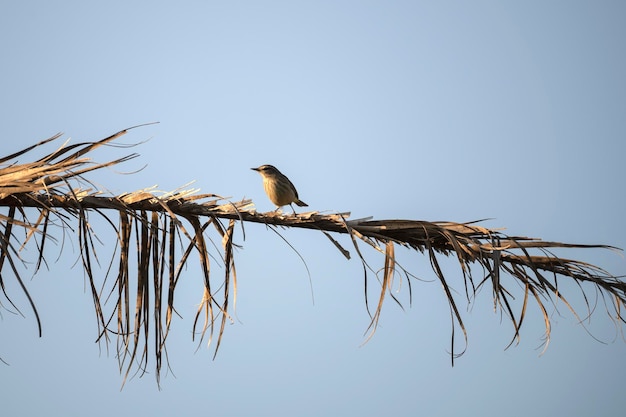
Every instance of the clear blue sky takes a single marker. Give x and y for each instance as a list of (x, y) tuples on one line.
[(514, 111)]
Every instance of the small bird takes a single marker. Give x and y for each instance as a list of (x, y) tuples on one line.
[(278, 187)]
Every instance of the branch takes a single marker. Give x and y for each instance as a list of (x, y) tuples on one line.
[(169, 227)]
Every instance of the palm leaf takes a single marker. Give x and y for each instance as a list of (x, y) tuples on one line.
[(136, 306)]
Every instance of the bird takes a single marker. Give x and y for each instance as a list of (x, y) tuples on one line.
[(278, 187)]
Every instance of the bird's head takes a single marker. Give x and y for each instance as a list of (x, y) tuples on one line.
[(266, 170)]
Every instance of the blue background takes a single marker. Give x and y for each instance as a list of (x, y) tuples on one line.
[(514, 111)]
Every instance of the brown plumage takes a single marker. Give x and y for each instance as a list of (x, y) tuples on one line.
[(278, 188)]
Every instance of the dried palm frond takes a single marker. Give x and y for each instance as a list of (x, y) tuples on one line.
[(137, 306)]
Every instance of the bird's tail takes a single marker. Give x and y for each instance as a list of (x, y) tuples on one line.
[(301, 203)]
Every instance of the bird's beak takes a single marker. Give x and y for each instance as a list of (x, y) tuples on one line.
[(255, 169)]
